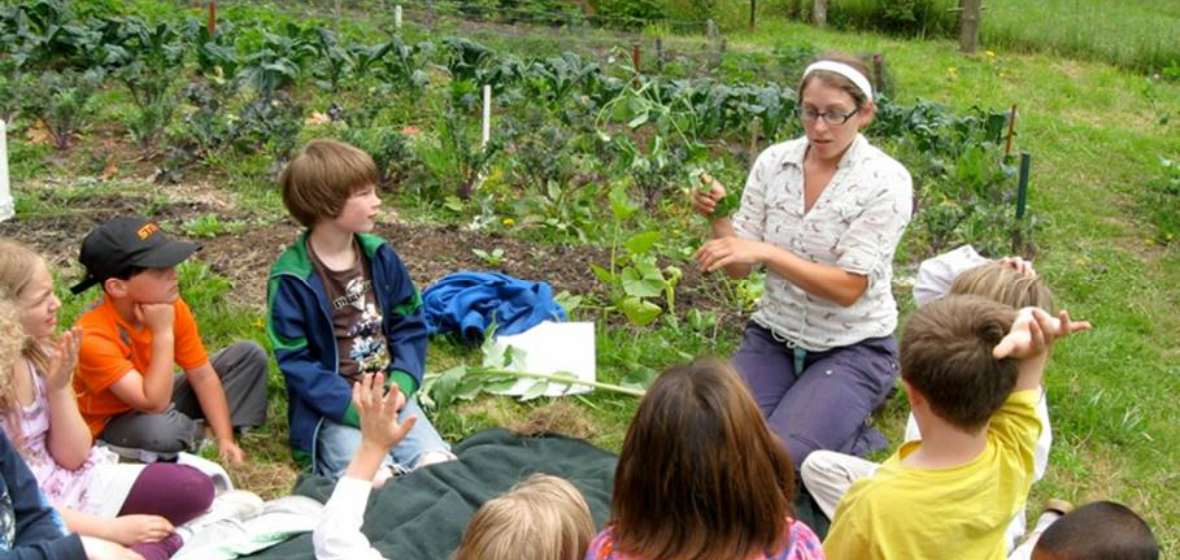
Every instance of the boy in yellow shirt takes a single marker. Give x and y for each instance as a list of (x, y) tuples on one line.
[(972, 371)]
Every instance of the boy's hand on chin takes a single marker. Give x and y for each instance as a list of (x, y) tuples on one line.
[(157, 316)]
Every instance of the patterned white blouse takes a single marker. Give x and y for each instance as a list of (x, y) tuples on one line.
[(855, 225)]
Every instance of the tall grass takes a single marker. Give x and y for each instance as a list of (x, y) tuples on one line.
[(1141, 35)]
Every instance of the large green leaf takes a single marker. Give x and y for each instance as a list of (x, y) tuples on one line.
[(642, 242), (620, 204), (639, 311), (637, 283), (536, 390)]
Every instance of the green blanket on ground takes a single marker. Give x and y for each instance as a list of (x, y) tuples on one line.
[(421, 516)]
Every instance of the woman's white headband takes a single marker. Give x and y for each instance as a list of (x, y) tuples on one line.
[(845, 70)]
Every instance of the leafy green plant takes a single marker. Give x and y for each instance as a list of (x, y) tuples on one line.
[(456, 158), (634, 278), (62, 101), (210, 226), (389, 148), (492, 259)]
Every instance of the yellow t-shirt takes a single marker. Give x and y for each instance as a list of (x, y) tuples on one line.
[(907, 513)]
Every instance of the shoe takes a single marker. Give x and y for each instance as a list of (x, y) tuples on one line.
[(1060, 507)]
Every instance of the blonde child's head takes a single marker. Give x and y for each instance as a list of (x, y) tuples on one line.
[(542, 518), (1001, 283), (321, 178), (25, 279), (700, 475)]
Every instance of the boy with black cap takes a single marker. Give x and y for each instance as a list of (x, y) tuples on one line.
[(138, 333)]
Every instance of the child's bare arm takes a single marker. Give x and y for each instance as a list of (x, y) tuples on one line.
[(380, 430), (1029, 340), (151, 390)]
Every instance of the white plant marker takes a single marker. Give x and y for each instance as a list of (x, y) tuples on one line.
[(6, 207), (397, 16), (487, 115)]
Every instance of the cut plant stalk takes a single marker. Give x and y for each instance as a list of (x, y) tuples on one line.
[(559, 378)]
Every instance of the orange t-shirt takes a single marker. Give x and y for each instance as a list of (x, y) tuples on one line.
[(111, 348)]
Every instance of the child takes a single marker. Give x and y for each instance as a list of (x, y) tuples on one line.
[(133, 505), (1010, 281), (700, 476), (29, 527), (341, 305), (137, 333), (543, 518), (1097, 531), (972, 371)]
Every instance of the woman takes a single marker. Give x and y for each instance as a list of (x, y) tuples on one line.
[(823, 213)]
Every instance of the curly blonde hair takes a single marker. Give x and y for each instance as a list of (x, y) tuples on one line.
[(12, 342)]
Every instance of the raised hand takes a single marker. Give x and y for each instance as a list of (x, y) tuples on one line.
[(1034, 331), (64, 361), (378, 412)]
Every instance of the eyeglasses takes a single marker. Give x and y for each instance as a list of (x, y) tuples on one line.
[(832, 118)]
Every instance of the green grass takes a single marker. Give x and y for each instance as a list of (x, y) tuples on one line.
[(1142, 35)]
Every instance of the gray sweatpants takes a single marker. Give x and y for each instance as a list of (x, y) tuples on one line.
[(242, 369)]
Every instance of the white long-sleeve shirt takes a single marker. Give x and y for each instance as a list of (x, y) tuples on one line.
[(338, 536)]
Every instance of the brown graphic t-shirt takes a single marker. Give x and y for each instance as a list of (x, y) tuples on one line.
[(356, 320)]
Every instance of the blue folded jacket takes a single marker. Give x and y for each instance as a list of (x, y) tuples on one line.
[(470, 302)]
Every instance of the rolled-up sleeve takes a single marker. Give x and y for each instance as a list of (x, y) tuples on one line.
[(873, 235)]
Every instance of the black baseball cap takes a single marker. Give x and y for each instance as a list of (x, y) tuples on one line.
[(119, 244)]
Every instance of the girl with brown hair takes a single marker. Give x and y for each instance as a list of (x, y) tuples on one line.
[(700, 477)]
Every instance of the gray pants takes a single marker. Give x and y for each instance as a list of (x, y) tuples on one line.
[(242, 369)]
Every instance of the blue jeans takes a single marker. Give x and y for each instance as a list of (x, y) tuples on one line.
[(336, 443)]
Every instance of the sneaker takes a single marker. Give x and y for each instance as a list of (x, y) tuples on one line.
[(1060, 507)]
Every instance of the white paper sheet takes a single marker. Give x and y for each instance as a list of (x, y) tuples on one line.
[(550, 348)]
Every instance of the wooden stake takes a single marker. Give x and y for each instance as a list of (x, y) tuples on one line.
[(1011, 131), (212, 26), (878, 72), (1021, 204), (660, 53), (635, 57), (753, 10)]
